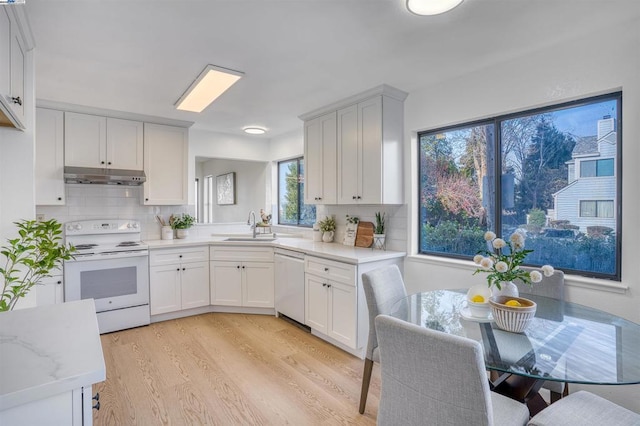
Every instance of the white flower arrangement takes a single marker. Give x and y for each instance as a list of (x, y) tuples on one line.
[(504, 267)]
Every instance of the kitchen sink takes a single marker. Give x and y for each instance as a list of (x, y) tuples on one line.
[(250, 239)]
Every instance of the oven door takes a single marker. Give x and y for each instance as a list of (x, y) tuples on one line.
[(112, 283)]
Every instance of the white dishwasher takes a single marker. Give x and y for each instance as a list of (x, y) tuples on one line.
[(289, 285)]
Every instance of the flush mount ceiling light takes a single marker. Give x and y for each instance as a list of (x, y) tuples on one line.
[(212, 82), (431, 7), (254, 130)]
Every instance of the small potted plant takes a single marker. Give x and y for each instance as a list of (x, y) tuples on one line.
[(30, 257), (379, 231), (182, 224), (328, 228)]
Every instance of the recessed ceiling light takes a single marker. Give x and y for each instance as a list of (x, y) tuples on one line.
[(254, 130), (212, 82), (431, 7)]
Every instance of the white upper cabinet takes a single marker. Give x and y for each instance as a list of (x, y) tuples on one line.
[(101, 142), (369, 142), (12, 68), (320, 160), (49, 172), (125, 142), (165, 164)]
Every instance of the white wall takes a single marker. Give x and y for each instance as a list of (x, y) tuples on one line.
[(605, 60)]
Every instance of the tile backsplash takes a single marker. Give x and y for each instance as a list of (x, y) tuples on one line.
[(125, 202), (111, 202)]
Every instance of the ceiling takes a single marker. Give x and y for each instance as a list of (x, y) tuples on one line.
[(139, 56)]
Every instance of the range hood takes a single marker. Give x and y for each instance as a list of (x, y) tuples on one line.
[(103, 176)]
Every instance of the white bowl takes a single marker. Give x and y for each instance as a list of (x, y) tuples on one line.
[(479, 310)]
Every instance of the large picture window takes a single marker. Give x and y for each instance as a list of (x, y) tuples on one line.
[(532, 171), (291, 207)]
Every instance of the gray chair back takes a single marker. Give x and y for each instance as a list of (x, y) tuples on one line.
[(552, 287), (382, 288), (430, 377)]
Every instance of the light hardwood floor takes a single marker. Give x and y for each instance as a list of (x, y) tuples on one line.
[(230, 369)]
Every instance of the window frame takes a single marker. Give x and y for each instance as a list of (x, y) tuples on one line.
[(497, 121), (300, 193)]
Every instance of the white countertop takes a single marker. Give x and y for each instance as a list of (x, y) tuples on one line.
[(47, 351), (333, 251)]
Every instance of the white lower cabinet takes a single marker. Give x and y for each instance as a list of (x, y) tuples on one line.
[(249, 284), (74, 408), (176, 285), (331, 308), (335, 304), (242, 276)]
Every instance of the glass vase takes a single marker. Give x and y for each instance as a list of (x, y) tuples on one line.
[(507, 288)]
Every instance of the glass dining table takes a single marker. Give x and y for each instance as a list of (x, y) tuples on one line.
[(565, 342)]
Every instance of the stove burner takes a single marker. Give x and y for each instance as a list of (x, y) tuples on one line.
[(85, 246), (128, 244)]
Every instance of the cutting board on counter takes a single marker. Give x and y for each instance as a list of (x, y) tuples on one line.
[(364, 237)]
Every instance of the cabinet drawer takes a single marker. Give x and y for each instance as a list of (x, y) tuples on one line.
[(241, 253), (178, 255), (336, 271)]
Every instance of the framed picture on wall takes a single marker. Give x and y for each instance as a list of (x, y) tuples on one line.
[(226, 188)]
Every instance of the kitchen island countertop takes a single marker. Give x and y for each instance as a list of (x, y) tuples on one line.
[(47, 351)]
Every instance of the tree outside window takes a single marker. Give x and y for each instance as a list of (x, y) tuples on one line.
[(533, 172), (291, 207)]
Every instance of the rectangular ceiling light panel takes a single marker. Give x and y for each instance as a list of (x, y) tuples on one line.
[(212, 82)]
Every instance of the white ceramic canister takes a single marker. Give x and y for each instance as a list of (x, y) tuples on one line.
[(167, 233)]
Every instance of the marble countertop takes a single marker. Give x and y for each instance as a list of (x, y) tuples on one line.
[(47, 351), (333, 251)]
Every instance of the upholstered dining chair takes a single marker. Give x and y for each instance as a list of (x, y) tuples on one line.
[(552, 287), (382, 287), (434, 378), (585, 409)]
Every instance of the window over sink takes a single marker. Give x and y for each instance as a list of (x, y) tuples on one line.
[(291, 207)]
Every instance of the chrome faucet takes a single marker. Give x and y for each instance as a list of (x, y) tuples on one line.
[(253, 225)]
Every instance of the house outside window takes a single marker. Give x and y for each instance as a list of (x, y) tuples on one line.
[(596, 168), (596, 208), (552, 173), (291, 207)]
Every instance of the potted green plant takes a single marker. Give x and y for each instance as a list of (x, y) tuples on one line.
[(31, 257), (182, 224), (328, 228), (379, 231)]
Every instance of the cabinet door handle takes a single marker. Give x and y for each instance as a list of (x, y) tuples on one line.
[(180, 256), (184, 269), (178, 269), (102, 162), (59, 198), (328, 285), (146, 199), (109, 163), (97, 406), (17, 100), (324, 284), (238, 266), (59, 282), (359, 197), (326, 269), (354, 197), (242, 266)]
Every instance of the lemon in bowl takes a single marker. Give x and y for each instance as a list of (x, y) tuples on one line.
[(478, 301)]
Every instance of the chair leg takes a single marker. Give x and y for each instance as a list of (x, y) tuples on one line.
[(366, 379), (555, 396)]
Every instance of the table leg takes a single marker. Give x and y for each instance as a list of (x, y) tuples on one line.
[(522, 389)]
